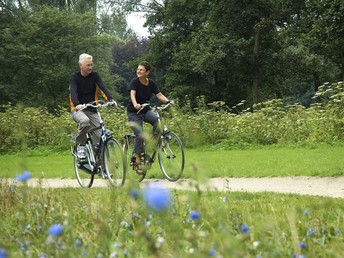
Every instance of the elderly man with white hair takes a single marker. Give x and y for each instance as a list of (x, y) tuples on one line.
[(83, 86)]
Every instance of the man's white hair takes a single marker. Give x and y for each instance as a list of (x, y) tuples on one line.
[(82, 58)]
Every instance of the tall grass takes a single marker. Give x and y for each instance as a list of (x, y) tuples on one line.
[(271, 122), (118, 223)]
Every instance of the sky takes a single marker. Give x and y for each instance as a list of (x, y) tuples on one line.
[(136, 21)]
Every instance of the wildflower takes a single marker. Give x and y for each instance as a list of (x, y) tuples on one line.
[(305, 212), (336, 231), (224, 199), (78, 243), (211, 252), (19, 178), (114, 254), (311, 232), (39, 228), (26, 175), (294, 255), (2, 253), (84, 254), (42, 255), (244, 228), (117, 245), (160, 239), (302, 245), (134, 216), (194, 215), (134, 193), (148, 223), (55, 230), (157, 199)]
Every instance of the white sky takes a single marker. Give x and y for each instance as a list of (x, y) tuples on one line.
[(136, 21)]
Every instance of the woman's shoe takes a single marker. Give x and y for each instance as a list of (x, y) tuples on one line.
[(139, 169)]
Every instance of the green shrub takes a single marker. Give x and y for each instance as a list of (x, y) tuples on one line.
[(271, 122)]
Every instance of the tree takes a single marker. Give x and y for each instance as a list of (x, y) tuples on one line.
[(124, 57), (40, 50)]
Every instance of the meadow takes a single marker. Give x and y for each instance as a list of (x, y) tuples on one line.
[(38, 222), (272, 139), (256, 161)]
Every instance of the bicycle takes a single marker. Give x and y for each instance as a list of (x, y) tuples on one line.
[(108, 152), (168, 147)]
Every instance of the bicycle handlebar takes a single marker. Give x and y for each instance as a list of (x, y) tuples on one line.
[(92, 104), (157, 108)]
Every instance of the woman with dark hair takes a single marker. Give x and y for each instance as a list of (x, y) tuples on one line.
[(141, 89)]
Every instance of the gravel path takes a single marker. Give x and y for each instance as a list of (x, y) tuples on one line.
[(324, 186)]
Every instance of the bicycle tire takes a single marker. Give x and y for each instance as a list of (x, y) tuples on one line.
[(82, 169), (131, 158), (171, 156), (114, 163)]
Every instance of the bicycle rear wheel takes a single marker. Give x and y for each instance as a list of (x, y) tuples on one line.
[(171, 156), (114, 161), (131, 158), (83, 169)]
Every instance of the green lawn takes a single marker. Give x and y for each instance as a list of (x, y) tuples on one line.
[(318, 160)]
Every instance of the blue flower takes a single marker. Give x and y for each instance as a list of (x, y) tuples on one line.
[(311, 232), (39, 228), (148, 223), (336, 231), (195, 215), (134, 193), (224, 199), (84, 254), (19, 178), (23, 177), (55, 230), (294, 255), (78, 243), (2, 253), (157, 199), (211, 252), (305, 211), (302, 245), (244, 228), (26, 175)]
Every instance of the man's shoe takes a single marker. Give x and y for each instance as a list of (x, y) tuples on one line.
[(81, 152)]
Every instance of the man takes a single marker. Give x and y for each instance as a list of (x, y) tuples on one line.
[(83, 87)]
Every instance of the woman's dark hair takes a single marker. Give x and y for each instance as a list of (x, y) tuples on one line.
[(146, 65)]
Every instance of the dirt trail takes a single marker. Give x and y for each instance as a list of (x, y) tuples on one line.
[(324, 186)]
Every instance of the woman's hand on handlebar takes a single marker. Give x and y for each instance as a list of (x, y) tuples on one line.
[(137, 106)]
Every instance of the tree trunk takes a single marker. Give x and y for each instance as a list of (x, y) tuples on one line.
[(255, 85)]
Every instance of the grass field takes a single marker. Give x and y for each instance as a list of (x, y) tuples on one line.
[(133, 222), (115, 223), (316, 160)]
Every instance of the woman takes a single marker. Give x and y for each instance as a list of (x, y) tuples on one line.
[(141, 90)]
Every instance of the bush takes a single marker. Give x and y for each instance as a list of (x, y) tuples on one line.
[(271, 122)]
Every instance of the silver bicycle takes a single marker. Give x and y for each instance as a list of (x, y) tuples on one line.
[(106, 159)]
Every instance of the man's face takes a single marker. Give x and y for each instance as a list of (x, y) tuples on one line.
[(86, 67)]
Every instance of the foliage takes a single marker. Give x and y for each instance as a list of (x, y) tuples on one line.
[(270, 122), (40, 49), (234, 50), (54, 223)]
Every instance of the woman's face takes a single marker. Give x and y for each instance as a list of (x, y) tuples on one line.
[(141, 72)]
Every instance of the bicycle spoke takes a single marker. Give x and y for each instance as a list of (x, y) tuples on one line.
[(171, 157)]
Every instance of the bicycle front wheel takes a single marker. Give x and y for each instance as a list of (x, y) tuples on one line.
[(83, 169), (114, 161), (171, 156)]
